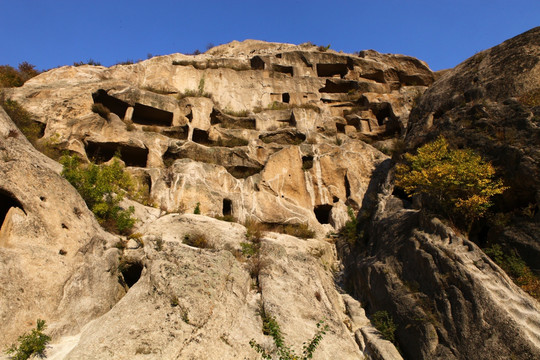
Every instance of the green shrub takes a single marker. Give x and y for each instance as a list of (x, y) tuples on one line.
[(457, 182), (197, 210), (350, 230), (385, 324), (102, 188), (285, 352), (87, 62), (30, 344)]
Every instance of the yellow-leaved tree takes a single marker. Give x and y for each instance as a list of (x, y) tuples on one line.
[(457, 182)]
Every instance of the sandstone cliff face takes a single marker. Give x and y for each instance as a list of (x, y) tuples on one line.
[(451, 300), (280, 134), (271, 131)]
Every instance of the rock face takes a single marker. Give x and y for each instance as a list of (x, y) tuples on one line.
[(450, 299), (492, 101), (272, 131), (282, 135)]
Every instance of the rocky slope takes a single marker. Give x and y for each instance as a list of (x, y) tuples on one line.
[(451, 300), (274, 133)]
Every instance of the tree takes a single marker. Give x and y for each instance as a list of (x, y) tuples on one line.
[(457, 182)]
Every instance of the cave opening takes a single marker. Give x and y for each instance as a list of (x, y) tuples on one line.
[(227, 207), (242, 172), (331, 70), (115, 105), (286, 98), (339, 86), (177, 132), (147, 115), (200, 137), (383, 112), (347, 188), (307, 162), (322, 213), (103, 152), (131, 272), (7, 201), (257, 63), (283, 69)]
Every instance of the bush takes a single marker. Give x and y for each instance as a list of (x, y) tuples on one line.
[(385, 324), (272, 328), (102, 110), (22, 118), (30, 344), (102, 188), (197, 210), (459, 182), (350, 230), (11, 77), (197, 240)]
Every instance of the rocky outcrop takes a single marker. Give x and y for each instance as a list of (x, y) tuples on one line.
[(450, 300), (57, 263), (246, 121), (490, 103)]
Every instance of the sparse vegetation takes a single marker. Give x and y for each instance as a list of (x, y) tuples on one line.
[(198, 240), (350, 230), (283, 351), (87, 62), (197, 210), (22, 118), (102, 188), (101, 110), (323, 48), (510, 261), (195, 93), (385, 324), (531, 98), (11, 77), (30, 344), (459, 183)]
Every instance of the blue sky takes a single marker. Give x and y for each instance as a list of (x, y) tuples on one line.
[(442, 33)]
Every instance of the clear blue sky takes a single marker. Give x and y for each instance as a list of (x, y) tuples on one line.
[(50, 33)]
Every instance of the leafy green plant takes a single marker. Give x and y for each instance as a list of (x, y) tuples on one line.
[(459, 182), (385, 324), (285, 352), (102, 188), (30, 344), (197, 210)]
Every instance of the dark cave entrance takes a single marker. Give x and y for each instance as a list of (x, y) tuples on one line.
[(331, 70), (131, 272), (103, 152), (286, 98), (147, 115), (115, 105), (7, 201), (201, 137), (283, 69), (307, 162), (227, 207), (322, 213)]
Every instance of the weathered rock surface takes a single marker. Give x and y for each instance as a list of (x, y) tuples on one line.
[(260, 117), (56, 261), (450, 300), (490, 103)]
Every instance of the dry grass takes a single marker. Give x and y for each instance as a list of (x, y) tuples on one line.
[(198, 240)]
